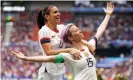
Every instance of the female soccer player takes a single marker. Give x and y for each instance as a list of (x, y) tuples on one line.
[(85, 68), (48, 21)]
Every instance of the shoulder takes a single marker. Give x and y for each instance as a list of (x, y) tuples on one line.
[(66, 56), (43, 29), (44, 32), (93, 41), (60, 26)]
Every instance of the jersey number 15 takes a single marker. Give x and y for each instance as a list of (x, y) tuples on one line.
[(90, 62)]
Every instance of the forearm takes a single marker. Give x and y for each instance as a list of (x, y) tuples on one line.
[(40, 58), (103, 26), (54, 52)]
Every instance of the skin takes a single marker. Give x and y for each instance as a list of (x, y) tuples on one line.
[(77, 35), (52, 20), (76, 38)]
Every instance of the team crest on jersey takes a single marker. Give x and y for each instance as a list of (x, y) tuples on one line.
[(53, 36), (86, 54)]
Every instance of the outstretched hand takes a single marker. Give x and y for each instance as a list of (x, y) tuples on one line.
[(18, 54), (109, 8)]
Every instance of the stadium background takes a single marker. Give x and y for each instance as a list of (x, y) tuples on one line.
[(19, 32)]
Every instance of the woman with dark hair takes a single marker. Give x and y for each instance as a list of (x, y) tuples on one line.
[(48, 22), (85, 68)]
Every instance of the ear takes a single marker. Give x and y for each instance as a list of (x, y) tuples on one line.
[(47, 17), (70, 38)]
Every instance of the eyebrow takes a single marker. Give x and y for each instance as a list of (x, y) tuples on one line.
[(56, 11)]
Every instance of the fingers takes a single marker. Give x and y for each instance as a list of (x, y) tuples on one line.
[(107, 5), (110, 5), (13, 52), (77, 56)]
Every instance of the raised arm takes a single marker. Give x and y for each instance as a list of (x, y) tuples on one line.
[(108, 10), (92, 43)]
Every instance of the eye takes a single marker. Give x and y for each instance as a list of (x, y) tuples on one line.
[(77, 30), (55, 11)]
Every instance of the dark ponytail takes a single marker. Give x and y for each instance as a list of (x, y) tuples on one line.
[(41, 20)]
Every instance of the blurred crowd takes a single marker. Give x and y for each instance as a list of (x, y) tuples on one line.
[(122, 71), (20, 40), (119, 33), (97, 4)]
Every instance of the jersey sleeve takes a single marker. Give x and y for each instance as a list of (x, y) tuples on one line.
[(44, 36), (59, 58), (93, 42), (68, 61), (63, 58)]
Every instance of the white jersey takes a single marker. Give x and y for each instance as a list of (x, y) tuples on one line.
[(83, 69), (53, 37)]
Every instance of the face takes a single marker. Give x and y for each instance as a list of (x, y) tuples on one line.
[(76, 34), (54, 15)]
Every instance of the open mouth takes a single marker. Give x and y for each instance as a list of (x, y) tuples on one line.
[(57, 18)]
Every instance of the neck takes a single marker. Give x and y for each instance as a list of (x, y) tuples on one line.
[(77, 45), (52, 26)]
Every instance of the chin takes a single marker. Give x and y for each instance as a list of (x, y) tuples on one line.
[(58, 21), (82, 36)]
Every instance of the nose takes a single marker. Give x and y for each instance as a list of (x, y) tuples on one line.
[(58, 14), (80, 31)]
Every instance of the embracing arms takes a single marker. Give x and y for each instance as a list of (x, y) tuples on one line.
[(47, 47)]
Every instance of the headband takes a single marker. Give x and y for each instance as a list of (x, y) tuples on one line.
[(65, 30), (46, 11)]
